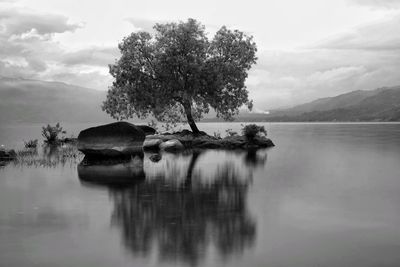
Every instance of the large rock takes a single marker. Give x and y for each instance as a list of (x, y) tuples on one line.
[(119, 139), (172, 145), (147, 129)]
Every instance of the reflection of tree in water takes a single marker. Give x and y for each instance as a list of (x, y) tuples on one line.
[(256, 157), (181, 220)]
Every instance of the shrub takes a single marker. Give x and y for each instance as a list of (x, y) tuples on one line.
[(253, 130), (217, 135), (31, 143), (50, 133), (230, 132)]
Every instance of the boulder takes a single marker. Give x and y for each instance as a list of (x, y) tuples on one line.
[(172, 145), (119, 139), (152, 144), (147, 129)]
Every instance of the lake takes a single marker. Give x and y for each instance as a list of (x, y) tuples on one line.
[(326, 195)]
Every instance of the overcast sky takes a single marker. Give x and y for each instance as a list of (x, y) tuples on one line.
[(307, 49)]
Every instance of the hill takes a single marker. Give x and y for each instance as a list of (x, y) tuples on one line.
[(23, 100), (382, 104)]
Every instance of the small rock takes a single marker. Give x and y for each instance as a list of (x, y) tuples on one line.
[(201, 143), (172, 145), (261, 141)]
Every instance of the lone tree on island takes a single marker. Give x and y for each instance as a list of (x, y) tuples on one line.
[(177, 74)]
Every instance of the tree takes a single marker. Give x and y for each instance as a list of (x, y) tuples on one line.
[(177, 74)]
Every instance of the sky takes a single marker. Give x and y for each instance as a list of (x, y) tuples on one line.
[(307, 49)]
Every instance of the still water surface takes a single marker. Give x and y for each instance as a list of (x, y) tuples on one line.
[(326, 195)]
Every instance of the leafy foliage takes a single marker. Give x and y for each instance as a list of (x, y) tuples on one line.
[(153, 124), (217, 135), (230, 132), (178, 74), (50, 133), (252, 130)]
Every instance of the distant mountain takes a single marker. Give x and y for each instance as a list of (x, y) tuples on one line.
[(23, 100), (381, 104)]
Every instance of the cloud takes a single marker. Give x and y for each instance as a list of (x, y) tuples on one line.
[(382, 35), (95, 56), (91, 79), (15, 22), (144, 24), (388, 4), (336, 74), (30, 51), (364, 58), (283, 79)]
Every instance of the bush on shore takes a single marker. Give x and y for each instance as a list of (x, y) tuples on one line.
[(250, 131), (51, 133)]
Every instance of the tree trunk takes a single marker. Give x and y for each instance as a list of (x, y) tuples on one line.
[(190, 120)]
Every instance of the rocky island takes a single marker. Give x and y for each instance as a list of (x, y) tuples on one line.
[(122, 139)]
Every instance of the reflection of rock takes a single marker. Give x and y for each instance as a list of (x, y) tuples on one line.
[(182, 210), (155, 157), (119, 139), (255, 157), (112, 173), (184, 219)]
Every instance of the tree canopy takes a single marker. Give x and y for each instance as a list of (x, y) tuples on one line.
[(177, 74)]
